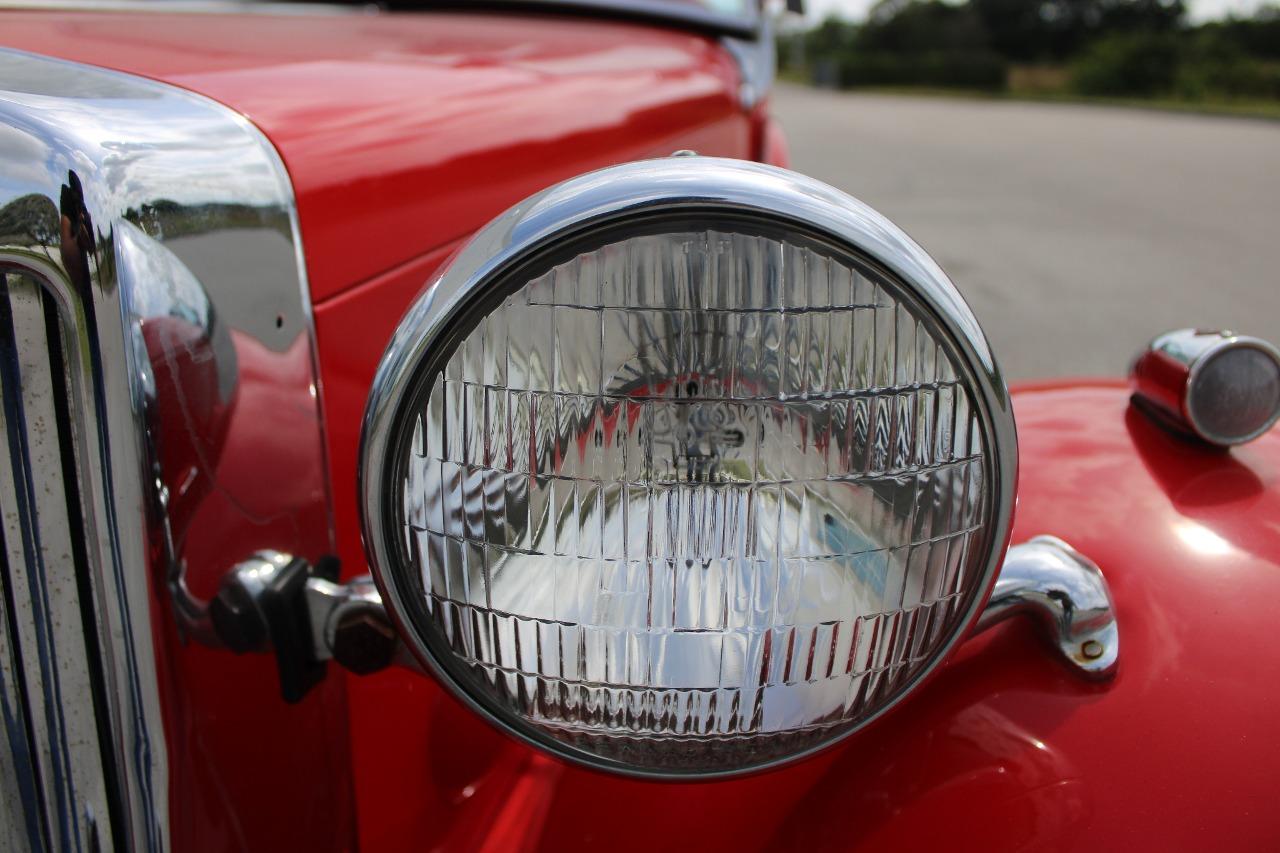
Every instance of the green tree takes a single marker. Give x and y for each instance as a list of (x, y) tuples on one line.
[(1035, 30), (913, 26)]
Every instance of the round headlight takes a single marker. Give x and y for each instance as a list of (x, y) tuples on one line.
[(686, 468)]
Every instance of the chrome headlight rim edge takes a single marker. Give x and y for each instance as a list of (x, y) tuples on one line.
[(571, 212)]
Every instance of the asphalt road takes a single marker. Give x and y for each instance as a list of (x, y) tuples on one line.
[(1076, 233)]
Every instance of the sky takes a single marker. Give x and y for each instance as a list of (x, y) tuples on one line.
[(1199, 10)]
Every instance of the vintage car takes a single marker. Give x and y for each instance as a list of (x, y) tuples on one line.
[(459, 430)]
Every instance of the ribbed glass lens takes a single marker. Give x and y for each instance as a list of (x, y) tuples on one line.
[(694, 501)]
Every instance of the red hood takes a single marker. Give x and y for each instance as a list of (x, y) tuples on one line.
[(404, 132)]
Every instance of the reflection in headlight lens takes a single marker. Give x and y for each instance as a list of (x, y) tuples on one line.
[(694, 500)]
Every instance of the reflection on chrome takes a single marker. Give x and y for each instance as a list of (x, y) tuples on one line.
[(187, 380), (1068, 597)]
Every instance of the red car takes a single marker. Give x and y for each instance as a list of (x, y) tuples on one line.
[(458, 430)]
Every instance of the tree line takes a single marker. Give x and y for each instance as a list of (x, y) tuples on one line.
[(1116, 48)]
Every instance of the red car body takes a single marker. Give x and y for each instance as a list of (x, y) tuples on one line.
[(402, 135)]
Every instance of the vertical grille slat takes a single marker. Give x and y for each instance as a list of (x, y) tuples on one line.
[(21, 805), (49, 629)]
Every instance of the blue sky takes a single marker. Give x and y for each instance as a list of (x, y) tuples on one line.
[(1200, 10)]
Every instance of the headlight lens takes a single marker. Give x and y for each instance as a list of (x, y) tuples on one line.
[(690, 494)]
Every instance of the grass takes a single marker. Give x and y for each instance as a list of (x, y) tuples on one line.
[(1262, 109), (1049, 85)]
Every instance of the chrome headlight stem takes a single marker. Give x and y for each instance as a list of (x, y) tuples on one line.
[(1066, 594)]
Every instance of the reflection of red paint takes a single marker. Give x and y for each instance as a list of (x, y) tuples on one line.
[(189, 417), (1162, 380)]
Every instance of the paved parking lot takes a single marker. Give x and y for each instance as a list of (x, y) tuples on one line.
[(1075, 232)]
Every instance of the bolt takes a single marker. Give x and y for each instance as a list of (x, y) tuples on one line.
[(363, 641), (1092, 649)]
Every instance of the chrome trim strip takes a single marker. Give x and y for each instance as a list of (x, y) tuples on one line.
[(178, 262), (20, 810), (1067, 595), (711, 187)]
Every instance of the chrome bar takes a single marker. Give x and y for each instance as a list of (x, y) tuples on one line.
[(344, 622), (1068, 597), (1044, 578)]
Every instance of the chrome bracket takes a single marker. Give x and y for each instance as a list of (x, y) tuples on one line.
[(350, 625), (282, 604), (275, 602), (1067, 596)]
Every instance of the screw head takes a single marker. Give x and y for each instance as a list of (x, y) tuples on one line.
[(363, 641)]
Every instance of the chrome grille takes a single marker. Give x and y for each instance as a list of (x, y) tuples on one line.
[(54, 760)]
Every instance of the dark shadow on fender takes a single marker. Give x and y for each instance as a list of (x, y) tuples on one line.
[(1222, 493)]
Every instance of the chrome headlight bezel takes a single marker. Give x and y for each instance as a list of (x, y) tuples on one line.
[(629, 196)]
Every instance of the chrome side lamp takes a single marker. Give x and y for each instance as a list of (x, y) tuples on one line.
[(1216, 386)]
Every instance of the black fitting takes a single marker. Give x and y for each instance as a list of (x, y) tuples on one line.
[(265, 607)]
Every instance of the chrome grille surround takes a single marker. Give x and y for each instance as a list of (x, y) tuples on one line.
[(637, 196), (112, 190)]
